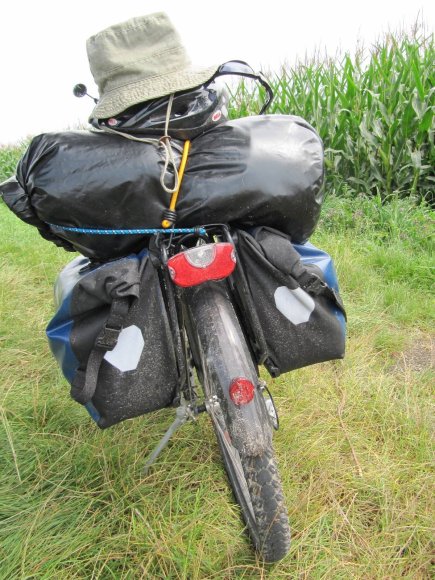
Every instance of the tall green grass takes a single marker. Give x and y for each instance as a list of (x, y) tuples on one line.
[(354, 445), (9, 157), (374, 112)]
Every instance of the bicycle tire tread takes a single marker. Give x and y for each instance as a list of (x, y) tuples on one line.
[(264, 484)]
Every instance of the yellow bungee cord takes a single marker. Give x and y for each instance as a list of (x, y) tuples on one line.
[(166, 223)]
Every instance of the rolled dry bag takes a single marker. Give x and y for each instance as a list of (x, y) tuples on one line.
[(297, 316), (260, 170), (112, 339)]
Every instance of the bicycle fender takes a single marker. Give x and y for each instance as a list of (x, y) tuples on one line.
[(222, 355), (249, 428)]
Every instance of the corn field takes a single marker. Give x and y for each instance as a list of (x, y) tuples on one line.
[(374, 112)]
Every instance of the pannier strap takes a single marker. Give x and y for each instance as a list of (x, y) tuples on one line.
[(287, 260), (108, 337), (311, 283), (105, 341)]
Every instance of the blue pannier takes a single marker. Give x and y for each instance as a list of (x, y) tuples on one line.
[(112, 339)]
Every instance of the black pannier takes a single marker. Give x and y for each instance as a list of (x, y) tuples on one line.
[(112, 338), (297, 316)]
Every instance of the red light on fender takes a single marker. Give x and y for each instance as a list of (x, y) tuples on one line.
[(241, 391), (197, 265)]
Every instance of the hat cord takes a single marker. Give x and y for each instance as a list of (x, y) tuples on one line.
[(164, 142)]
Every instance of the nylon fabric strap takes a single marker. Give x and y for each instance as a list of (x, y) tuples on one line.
[(92, 371), (284, 257), (105, 341), (314, 285), (108, 337)]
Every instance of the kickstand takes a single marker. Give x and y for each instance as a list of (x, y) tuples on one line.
[(183, 414)]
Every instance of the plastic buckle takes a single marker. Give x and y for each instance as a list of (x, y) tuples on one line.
[(314, 285), (108, 338)]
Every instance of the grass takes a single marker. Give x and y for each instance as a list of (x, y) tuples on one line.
[(9, 157), (354, 446)]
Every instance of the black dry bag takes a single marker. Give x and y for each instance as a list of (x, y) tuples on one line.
[(293, 297), (112, 338)]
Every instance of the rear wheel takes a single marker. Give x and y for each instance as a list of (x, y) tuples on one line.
[(223, 355), (256, 485)]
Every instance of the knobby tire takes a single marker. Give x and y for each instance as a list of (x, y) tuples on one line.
[(254, 479)]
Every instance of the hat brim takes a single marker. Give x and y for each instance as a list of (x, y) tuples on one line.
[(118, 100)]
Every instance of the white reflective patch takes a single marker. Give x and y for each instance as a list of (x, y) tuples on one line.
[(126, 354), (296, 305)]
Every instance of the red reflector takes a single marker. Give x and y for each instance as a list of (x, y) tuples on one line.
[(203, 263), (241, 391)]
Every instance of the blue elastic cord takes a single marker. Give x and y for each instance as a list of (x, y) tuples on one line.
[(145, 231)]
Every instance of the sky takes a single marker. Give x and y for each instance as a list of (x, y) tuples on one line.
[(43, 44)]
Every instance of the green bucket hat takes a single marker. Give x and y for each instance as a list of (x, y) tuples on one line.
[(139, 60)]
